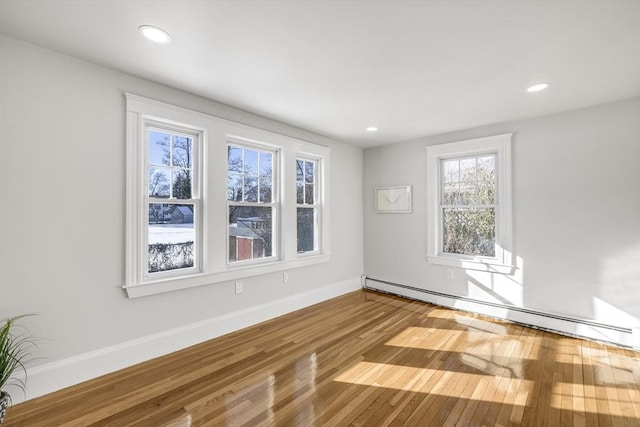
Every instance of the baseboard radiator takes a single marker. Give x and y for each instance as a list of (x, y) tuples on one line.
[(575, 327)]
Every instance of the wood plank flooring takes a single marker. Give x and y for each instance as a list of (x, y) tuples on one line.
[(363, 359)]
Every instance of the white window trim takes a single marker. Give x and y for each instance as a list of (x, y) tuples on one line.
[(501, 146), (216, 133)]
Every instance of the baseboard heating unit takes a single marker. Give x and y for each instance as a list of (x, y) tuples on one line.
[(571, 326)]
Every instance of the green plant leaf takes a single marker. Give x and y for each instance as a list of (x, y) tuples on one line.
[(14, 349)]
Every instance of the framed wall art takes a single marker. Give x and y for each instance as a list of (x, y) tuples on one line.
[(393, 199)]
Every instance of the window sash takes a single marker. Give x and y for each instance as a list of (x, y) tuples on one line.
[(275, 234), (170, 245), (260, 175), (303, 180), (195, 200), (300, 232), (270, 243), (475, 183), (443, 231)]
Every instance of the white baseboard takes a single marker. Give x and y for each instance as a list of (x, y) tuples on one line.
[(60, 374), (585, 328)]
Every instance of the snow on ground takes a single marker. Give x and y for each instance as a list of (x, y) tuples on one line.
[(171, 233)]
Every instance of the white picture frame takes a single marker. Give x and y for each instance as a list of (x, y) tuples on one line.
[(393, 199)]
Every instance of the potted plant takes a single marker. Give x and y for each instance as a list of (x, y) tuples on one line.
[(14, 348)]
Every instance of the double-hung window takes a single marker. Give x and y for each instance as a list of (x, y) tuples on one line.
[(252, 203), (308, 206), (172, 202), (469, 204), (210, 200)]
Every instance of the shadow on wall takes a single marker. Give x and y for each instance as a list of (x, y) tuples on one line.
[(618, 303), (498, 288), (619, 299)]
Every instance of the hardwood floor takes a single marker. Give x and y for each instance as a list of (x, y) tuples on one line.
[(363, 359)]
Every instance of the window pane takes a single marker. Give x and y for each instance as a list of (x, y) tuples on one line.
[(182, 184), (486, 168), (451, 194), (308, 194), (299, 170), (469, 231), (487, 193), (306, 229), (265, 190), (234, 188), (300, 193), (486, 178), (308, 171), (159, 147), (266, 164), (467, 193), (250, 189), (233, 251), (159, 183), (251, 227), (468, 169), (450, 170), (182, 151), (171, 237), (234, 159), (258, 248), (250, 162)]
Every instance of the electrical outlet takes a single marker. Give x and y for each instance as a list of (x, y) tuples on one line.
[(238, 287), (285, 277), (450, 273)]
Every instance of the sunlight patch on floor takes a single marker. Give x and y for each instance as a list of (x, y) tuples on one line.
[(390, 376), (182, 422), (439, 339), (564, 393)]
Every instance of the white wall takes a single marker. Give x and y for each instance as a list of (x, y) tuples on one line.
[(576, 197), (62, 185)]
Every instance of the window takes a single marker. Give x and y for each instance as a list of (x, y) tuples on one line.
[(251, 203), (209, 200), (172, 200), (307, 205), (469, 204)]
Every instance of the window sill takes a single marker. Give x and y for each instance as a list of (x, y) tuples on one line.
[(173, 284), (471, 264)]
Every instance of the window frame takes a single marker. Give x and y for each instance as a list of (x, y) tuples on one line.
[(500, 146), (275, 204), (215, 134), (195, 200), (316, 205)]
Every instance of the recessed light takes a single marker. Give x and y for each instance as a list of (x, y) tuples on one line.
[(155, 34), (372, 129), (537, 87)]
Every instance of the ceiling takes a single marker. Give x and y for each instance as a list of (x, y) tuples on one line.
[(410, 68)]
